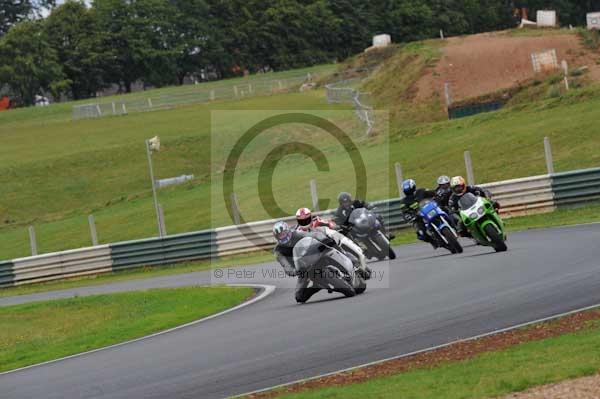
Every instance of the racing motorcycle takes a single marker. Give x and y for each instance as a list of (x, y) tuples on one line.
[(482, 221), (327, 267), (438, 226), (366, 230)]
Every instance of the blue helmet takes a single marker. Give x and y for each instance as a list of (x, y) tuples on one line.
[(409, 187)]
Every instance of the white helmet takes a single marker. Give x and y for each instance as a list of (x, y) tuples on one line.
[(443, 180), (282, 232)]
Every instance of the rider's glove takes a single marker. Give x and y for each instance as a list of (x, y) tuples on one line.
[(409, 217), (496, 205)]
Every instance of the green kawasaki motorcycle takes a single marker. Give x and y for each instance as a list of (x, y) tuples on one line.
[(482, 221)]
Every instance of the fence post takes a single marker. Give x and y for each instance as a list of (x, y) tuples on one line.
[(399, 179), (314, 195), (235, 209), (161, 217), (280, 85), (441, 34), (33, 241), (93, 233), (447, 94), (212, 95), (548, 152), (98, 110), (124, 109), (114, 109), (565, 67), (469, 167), (149, 102), (235, 91)]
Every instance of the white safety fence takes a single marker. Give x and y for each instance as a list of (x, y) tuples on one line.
[(343, 92), (193, 95)]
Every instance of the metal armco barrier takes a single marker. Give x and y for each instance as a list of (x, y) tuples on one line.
[(54, 266), (390, 210), (7, 273), (159, 251), (525, 196), (247, 237), (518, 197), (576, 187)]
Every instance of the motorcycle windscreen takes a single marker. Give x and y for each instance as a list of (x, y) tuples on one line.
[(306, 253), (361, 218), (467, 201)]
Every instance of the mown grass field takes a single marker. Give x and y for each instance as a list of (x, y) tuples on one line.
[(42, 331), (492, 374), (54, 172)]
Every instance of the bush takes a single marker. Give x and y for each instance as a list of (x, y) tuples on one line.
[(591, 39), (554, 92)]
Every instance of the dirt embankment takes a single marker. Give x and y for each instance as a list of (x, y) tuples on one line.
[(481, 64)]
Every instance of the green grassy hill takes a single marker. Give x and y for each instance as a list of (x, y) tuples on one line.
[(54, 171)]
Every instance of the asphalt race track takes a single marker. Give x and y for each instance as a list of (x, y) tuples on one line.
[(433, 298)]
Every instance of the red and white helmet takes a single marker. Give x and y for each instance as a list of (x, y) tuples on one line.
[(303, 217)]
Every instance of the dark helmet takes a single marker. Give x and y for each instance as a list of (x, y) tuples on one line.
[(345, 199), (409, 187)]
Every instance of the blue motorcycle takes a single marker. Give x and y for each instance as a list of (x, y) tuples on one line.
[(439, 227)]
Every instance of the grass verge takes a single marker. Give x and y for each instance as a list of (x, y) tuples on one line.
[(42, 331), (492, 366)]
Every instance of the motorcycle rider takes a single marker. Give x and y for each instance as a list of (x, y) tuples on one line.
[(459, 188), (287, 238), (308, 223), (409, 206), (347, 205), (443, 191)]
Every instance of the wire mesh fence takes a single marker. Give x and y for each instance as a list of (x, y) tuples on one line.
[(344, 92), (190, 96)]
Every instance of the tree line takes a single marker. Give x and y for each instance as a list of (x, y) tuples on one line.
[(78, 49)]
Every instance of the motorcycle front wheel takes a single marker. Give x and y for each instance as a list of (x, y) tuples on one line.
[(384, 246), (496, 238), (453, 244)]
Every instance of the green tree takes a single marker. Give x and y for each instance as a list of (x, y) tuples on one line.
[(73, 32), (192, 36), (28, 64), (119, 42), (15, 11)]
